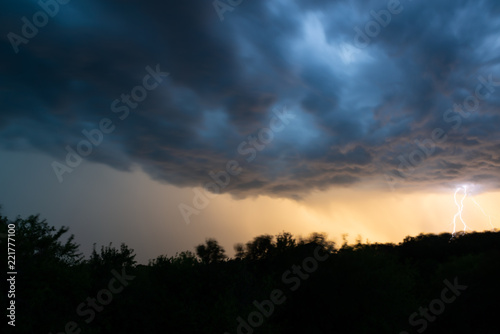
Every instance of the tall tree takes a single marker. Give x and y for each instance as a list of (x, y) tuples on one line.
[(211, 251), (261, 247)]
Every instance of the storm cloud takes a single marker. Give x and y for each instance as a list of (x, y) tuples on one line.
[(302, 95)]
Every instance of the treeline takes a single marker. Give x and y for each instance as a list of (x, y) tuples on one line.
[(274, 284)]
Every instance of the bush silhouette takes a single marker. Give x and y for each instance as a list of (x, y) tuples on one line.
[(360, 288)]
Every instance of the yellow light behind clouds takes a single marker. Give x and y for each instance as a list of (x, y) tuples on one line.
[(377, 216)]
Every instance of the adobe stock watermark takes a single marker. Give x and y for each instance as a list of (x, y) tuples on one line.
[(347, 53), (222, 6), (29, 29), (372, 28), (221, 179), (293, 279), (436, 306), (94, 137), (427, 147), (104, 297)]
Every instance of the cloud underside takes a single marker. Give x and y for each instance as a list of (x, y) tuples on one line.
[(295, 96)]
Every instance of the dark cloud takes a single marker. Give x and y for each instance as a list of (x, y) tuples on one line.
[(360, 114)]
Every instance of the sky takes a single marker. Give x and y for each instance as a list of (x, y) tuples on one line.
[(160, 124)]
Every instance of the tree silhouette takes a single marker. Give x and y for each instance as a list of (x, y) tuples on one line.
[(239, 248), (49, 273), (374, 287), (284, 241), (322, 240), (112, 258), (210, 252), (260, 247), (41, 242)]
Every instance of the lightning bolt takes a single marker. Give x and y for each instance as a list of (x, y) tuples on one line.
[(460, 209), (484, 213)]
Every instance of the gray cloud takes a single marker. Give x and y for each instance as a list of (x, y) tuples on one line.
[(356, 112)]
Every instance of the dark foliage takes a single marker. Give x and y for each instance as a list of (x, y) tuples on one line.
[(360, 288)]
